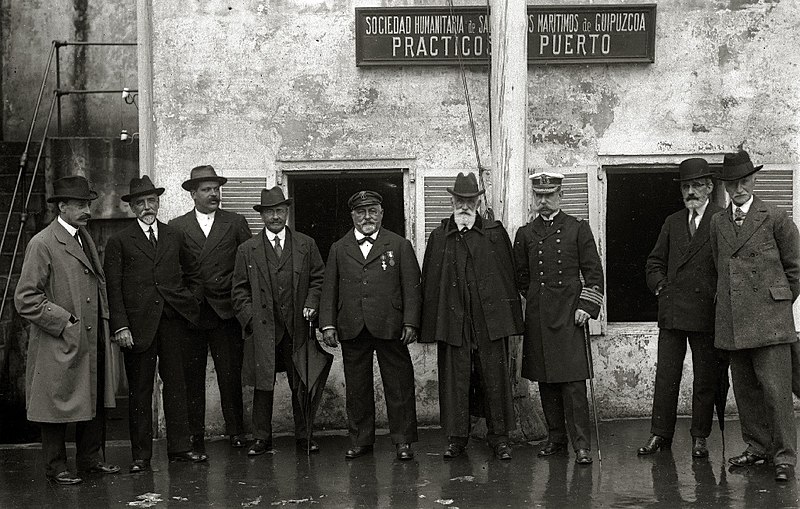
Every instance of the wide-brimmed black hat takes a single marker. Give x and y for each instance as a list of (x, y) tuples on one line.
[(694, 168), (72, 187), (139, 187), (364, 199), (466, 186), (272, 198), (201, 174), (737, 166)]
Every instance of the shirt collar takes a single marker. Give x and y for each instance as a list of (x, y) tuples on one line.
[(271, 236), (700, 210), (360, 235), (70, 229), (146, 227), (204, 217), (745, 207), (553, 216)]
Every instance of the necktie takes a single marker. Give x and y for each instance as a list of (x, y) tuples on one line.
[(464, 230), (78, 238), (738, 216), (152, 236), (365, 239), (693, 224), (278, 248), (83, 245)]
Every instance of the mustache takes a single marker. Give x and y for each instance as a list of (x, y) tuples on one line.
[(84, 217)]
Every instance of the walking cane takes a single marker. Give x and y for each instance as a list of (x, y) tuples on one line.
[(588, 344), (308, 398)]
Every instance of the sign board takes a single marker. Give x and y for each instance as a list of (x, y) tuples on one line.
[(563, 34)]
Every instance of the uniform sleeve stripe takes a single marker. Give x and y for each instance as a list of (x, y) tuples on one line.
[(592, 295)]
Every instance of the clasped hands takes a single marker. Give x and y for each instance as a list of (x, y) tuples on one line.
[(331, 338)]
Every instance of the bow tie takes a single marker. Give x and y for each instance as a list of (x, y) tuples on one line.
[(365, 239)]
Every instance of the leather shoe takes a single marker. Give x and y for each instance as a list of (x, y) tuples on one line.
[(784, 472), (699, 448), (747, 459), (100, 468), (453, 450), (259, 447), (64, 478), (657, 443), (139, 466), (237, 441), (188, 456), (502, 451), (198, 444), (404, 452), (583, 457), (551, 448), (357, 451), (307, 445)]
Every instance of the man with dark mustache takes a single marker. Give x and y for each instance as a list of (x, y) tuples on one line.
[(62, 292), (680, 272), (153, 291), (756, 248), (212, 236), (470, 307), (371, 304)]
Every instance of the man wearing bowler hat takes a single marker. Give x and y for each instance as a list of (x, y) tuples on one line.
[(756, 248), (153, 291), (470, 307), (62, 293), (371, 303), (212, 236), (277, 282), (680, 272), (560, 274)]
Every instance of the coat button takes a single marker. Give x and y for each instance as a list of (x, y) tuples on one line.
[(541, 273), (559, 262), (365, 281), (454, 283), (542, 284), (558, 251), (88, 327), (88, 299), (558, 241), (540, 252), (264, 322), (559, 272), (558, 231), (85, 271), (156, 301), (264, 306), (559, 282), (540, 262)]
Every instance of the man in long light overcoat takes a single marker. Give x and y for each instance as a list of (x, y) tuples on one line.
[(62, 292)]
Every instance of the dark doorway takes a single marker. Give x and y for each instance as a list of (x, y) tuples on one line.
[(320, 202)]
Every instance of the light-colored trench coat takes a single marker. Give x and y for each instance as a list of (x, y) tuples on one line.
[(57, 281)]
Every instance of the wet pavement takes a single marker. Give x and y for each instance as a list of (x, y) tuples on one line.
[(288, 478)]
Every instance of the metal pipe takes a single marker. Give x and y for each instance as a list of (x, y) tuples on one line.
[(85, 43), (58, 84), (71, 92), (24, 215)]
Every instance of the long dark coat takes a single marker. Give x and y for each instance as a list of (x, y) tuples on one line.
[(59, 281), (758, 277), (443, 311), (252, 296), (683, 266), (550, 262)]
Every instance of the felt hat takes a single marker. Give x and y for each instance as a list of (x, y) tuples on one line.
[(466, 186), (272, 198), (737, 166), (694, 168), (200, 174), (72, 187), (139, 187)]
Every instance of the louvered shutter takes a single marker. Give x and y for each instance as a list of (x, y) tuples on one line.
[(576, 195), (239, 195), (436, 201), (774, 186)]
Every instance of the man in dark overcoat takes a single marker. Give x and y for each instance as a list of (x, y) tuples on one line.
[(757, 251), (680, 272), (470, 306), (277, 283), (62, 293), (212, 236), (371, 303), (552, 253), (153, 293)]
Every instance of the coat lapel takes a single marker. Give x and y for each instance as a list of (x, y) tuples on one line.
[(138, 239), (755, 216), (194, 232), (352, 249), (379, 247), (726, 227), (299, 251), (218, 231), (259, 254), (71, 245)]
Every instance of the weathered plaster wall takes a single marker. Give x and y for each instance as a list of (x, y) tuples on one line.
[(30, 26), (244, 85)]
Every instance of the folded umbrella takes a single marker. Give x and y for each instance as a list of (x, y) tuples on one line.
[(312, 365)]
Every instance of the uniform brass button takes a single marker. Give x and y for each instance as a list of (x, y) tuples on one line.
[(558, 231), (541, 273), (85, 271), (540, 262), (559, 262), (540, 252), (542, 284), (88, 327), (558, 251), (559, 272), (558, 241), (454, 283), (88, 299), (365, 281), (559, 282)]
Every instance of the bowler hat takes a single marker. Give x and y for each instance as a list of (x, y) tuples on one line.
[(72, 187), (200, 174), (466, 186), (694, 168), (141, 186), (546, 182), (364, 199), (272, 198), (737, 166)]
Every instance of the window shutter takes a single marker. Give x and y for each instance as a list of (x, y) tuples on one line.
[(774, 186), (437, 202), (576, 195), (239, 195)]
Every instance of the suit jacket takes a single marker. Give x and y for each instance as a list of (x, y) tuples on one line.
[(142, 279), (683, 267), (381, 293), (253, 300), (57, 281), (216, 256), (758, 270)]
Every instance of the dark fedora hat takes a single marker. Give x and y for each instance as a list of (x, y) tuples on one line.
[(737, 166), (466, 186), (139, 187), (72, 187), (200, 174), (364, 199), (272, 198), (694, 168)]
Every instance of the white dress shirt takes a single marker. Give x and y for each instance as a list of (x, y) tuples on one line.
[(366, 246), (70, 229), (745, 207), (271, 237), (146, 228), (206, 221), (700, 211)]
